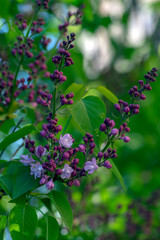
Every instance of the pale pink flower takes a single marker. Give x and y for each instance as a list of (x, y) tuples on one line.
[(66, 141), (26, 160), (66, 171), (37, 170), (91, 166)]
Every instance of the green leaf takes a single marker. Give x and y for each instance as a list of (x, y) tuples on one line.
[(23, 182), (6, 181), (107, 93), (52, 228), (6, 184), (117, 174), (63, 207), (89, 113), (46, 201), (22, 222), (3, 222), (77, 89), (16, 135), (4, 163), (7, 124)]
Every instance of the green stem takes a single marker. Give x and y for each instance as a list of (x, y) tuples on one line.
[(54, 101)]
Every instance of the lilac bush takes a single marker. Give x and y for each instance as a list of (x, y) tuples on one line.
[(59, 158)]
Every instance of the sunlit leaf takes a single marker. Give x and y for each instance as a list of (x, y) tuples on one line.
[(22, 222), (107, 93)]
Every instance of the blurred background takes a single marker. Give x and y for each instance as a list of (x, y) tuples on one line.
[(117, 43)]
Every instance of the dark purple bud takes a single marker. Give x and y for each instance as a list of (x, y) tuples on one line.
[(81, 148), (58, 171), (76, 183), (39, 151), (100, 155), (117, 106), (70, 102), (66, 155), (114, 131), (126, 139), (107, 164), (142, 96), (120, 129), (127, 129), (114, 155), (43, 133), (75, 161), (92, 145), (50, 184), (103, 127), (126, 110)]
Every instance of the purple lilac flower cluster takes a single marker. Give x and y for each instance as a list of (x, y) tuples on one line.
[(60, 162), (45, 41), (6, 84), (37, 26), (67, 99), (64, 59), (38, 66), (127, 110), (73, 18), (43, 3)]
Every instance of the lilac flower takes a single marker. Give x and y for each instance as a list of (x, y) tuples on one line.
[(66, 171), (26, 160), (40, 151), (50, 184), (66, 141), (91, 166), (36, 170), (107, 164)]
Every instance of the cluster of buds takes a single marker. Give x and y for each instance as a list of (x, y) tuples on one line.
[(38, 66), (107, 126), (67, 99), (58, 77), (22, 86), (128, 109), (64, 59), (22, 48), (45, 41), (73, 18), (45, 98), (6, 84), (37, 26), (21, 22), (88, 147), (42, 3), (51, 129)]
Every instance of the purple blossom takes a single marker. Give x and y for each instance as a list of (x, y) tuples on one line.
[(50, 184), (66, 171), (66, 141), (91, 166), (114, 131), (36, 170), (40, 151), (26, 160), (107, 164)]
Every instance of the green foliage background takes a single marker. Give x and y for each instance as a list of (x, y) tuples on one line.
[(138, 160)]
